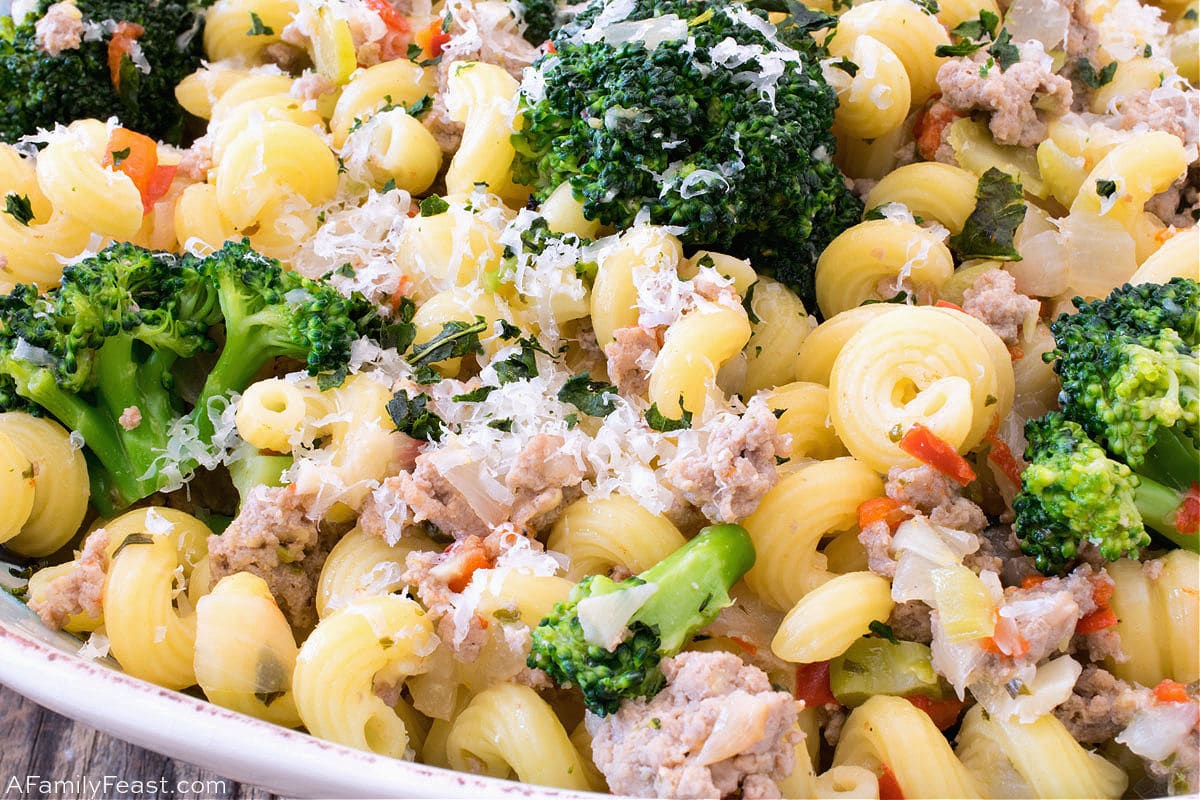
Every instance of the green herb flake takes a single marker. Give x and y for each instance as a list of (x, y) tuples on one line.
[(19, 208), (883, 631), (119, 156), (845, 65), (433, 205), (664, 424), (456, 340), (748, 304), (1004, 51), (999, 210), (594, 398), (475, 395), (412, 416), (1106, 188), (257, 28), (331, 380), (131, 539), (1088, 75), (504, 425)]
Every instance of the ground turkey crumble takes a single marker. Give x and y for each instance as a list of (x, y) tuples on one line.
[(922, 490), (1045, 616), (1019, 99), (60, 30), (542, 479), (439, 580), (273, 538), (728, 476), (80, 591), (1101, 706), (993, 299), (630, 356), (716, 730)]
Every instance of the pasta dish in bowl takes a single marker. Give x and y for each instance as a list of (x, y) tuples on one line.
[(670, 398)]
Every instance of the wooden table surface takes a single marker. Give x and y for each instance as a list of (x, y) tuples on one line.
[(35, 741)]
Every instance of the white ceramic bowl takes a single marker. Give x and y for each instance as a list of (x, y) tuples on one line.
[(42, 665)]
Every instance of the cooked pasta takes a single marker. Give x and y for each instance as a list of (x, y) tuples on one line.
[(672, 398)]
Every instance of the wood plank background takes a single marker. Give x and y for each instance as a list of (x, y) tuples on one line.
[(35, 741)]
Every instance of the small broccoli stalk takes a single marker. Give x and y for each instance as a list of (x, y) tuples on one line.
[(97, 354), (580, 642), (258, 469), (270, 313)]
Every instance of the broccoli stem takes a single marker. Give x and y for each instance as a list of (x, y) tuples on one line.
[(258, 469), (250, 341), (1172, 460), (1159, 506), (693, 583)]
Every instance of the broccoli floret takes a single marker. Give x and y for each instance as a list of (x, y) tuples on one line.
[(270, 313), (1121, 456), (727, 137), (540, 18), (1073, 492), (38, 90), (691, 587), (101, 353), (1130, 375)]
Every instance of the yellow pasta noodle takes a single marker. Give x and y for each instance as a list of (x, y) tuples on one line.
[(375, 641), (832, 616), (1158, 618), (245, 653), (816, 500), (617, 531), (1038, 759), (878, 259), (892, 731), (58, 483), (509, 730)]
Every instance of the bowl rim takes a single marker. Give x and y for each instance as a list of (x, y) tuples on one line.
[(225, 742)]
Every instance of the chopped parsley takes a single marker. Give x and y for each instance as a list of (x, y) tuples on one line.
[(433, 205), (119, 156), (257, 28), (1090, 77), (457, 339), (19, 208), (883, 631), (845, 65), (475, 395), (1004, 51), (1106, 188), (412, 416), (522, 365), (594, 398), (664, 424), (331, 380), (989, 231)]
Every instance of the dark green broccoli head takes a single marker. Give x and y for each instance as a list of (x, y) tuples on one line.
[(683, 593), (540, 17), (38, 90), (268, 308), (718, 127), (1129, 370), (1072, 492)]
